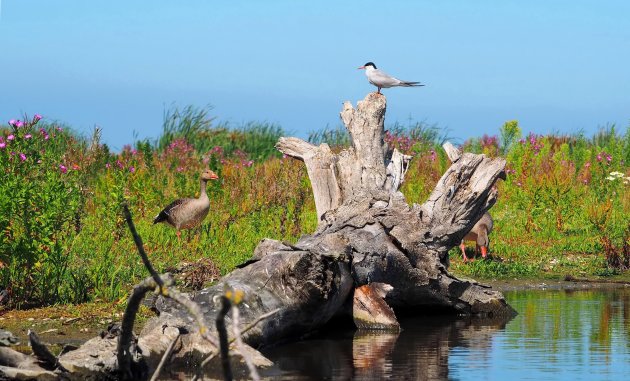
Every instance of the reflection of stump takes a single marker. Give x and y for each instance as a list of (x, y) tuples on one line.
[(367, 233)]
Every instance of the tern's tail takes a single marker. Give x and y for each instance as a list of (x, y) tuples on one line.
[(410, 84)]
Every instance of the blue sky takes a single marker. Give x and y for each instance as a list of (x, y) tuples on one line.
[(556, 66)]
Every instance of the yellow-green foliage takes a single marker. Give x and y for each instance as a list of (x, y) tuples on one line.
[(63, 239)]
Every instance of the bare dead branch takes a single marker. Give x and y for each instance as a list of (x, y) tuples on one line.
[(167, 354), (223, 338), (240, 345)]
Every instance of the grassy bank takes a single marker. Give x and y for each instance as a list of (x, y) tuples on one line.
[(564, 207)]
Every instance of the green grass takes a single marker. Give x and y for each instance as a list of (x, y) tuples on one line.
[(63, 239)]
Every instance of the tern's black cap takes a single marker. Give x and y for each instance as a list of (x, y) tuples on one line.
[(370, 64)]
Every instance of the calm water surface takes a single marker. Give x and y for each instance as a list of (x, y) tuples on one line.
[(558, 335)]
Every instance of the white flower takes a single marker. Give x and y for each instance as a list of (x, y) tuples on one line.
[(616, 174), (610, 178)]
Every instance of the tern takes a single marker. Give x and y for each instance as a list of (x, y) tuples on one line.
[(383, 80)]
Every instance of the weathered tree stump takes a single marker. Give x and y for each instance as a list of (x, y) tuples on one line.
[(367, 233)]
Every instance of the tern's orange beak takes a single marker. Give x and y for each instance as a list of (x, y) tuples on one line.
[(362, 67), (484, 251)]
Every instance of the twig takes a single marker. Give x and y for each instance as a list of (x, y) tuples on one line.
[(239, 344), (244, 330), (258, 320), (223, 339), (140, 246), (156, 374), (126, 331)]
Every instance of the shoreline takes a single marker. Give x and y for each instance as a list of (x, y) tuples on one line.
[(553, 284)]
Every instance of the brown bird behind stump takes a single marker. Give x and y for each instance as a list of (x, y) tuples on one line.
[(479, 233)]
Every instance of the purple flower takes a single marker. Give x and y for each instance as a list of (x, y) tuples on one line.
[(608, 158), (28, 136), (132, 169), (10, 137), (3, 144), (19, 124), (63, 168), (37, 118), (12, 122), (119, 164), (599, 157), (22, 156)]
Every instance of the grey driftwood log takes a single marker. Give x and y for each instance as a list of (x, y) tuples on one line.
[(367, 233)]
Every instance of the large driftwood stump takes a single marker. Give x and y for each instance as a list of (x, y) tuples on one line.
[(367, 233)]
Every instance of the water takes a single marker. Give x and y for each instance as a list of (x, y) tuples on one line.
[(558, 335)]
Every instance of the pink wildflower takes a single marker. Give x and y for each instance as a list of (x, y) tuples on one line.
[(22, 156), (599, 157), (587, 164), (107, 165), (63, 168), (28, 136), (608, 158), (37, 118), (59, 129), (179, 169), (3, 144), (19, 124), (132, 169), (11, 137), (75, 167), (39, 161), (12, 122), (119, 164)]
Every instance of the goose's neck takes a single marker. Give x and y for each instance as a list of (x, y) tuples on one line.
[(202, 192)]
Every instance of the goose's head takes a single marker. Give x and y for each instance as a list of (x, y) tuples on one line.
[(208, 175)]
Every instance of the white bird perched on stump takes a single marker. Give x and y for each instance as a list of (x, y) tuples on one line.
[(382, 80)]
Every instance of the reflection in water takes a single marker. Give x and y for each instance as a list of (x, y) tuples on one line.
[(560, 335), (420, 352)]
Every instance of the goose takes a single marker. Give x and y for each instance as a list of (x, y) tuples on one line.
[(185, 213), (479, 233)]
